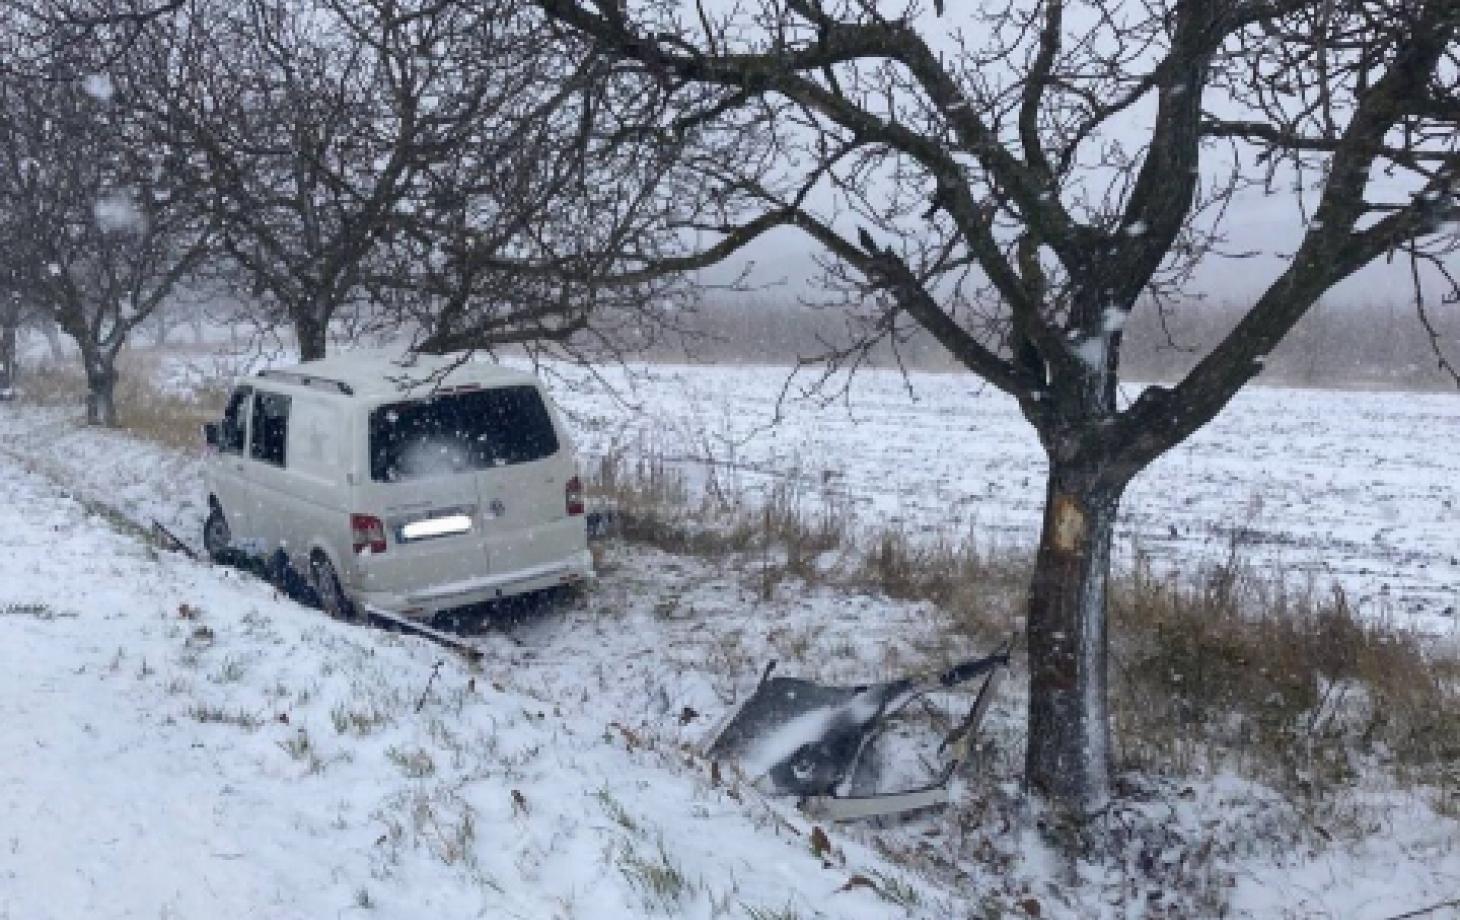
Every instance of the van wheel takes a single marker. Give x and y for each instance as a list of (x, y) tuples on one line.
[(217, 538), (332, 597)]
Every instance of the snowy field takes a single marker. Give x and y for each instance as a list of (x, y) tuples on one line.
[(1358, 489), (1349, 488)]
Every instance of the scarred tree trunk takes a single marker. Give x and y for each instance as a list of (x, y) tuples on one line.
[(1067, 758), (1068, 750)]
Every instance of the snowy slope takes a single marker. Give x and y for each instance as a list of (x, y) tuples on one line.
[(181, 743)]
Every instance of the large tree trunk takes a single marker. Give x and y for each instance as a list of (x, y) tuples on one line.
[(9, 357), (1069, 733), (311, 334), (101, 396)]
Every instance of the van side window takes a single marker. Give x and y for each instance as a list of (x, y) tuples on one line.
[(270, 428), (234, 427)]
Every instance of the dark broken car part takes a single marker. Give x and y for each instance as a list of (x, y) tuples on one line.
[(812, 740)]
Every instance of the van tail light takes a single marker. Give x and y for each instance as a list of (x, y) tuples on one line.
[(367, 533), (574, 495)]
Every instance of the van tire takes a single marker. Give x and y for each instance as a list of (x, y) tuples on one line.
[(217, 538), (332, 597)]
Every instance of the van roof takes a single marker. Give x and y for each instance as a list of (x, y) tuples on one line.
[(393, 373)]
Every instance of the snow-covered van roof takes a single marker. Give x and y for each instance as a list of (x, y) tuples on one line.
[(392, 373)]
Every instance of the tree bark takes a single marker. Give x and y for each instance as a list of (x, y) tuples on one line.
[(9, 357), (101, 398), (311, 334), (1067, 758)]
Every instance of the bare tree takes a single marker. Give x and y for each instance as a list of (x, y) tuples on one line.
[(331, 131), (522, 239), (102, 228), (285, 116), (378, 165), (1018, 179), (50, 38)]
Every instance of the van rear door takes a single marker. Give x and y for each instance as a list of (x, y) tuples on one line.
[(495, 448), (522, 488), (420, 483)]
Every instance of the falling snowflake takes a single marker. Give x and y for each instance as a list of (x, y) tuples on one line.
[(1114, 319), (1092, 351), (1136, 229), (117, 211), (98, 86)]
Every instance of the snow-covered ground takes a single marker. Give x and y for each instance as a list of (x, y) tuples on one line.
[(148, 771), (180, 742), (1358, 489)]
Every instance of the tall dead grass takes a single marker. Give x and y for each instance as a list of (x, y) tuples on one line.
[(143, 408), (787, 534), (1234, 670)]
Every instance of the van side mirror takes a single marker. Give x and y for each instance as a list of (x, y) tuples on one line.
[(210, 433)]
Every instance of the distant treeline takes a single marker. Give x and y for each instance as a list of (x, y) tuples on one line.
[(1333, 345)]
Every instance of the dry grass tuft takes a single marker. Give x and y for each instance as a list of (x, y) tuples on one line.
[(980, 590), (1294, 690), (816, 540)]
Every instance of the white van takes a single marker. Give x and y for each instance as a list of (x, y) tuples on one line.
[(411, 488)]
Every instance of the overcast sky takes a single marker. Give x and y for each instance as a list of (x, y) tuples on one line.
[(784, 261), (1271, 224)]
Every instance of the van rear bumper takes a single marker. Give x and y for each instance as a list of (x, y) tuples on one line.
[(570, 570)]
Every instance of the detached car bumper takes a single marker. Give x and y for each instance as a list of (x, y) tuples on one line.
[(425, 602)]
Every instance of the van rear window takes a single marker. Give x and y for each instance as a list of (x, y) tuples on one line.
[(456, 432)]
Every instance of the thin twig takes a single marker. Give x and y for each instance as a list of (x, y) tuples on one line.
[(435, 669), (1453, 902)]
